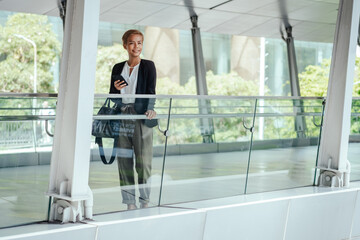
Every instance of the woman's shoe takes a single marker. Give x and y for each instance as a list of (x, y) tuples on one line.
[(144, 205), (131, 206)]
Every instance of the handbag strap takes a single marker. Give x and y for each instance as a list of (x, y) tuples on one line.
[(98, 140), (107, 103)]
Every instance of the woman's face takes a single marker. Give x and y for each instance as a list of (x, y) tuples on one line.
[(134, 45)]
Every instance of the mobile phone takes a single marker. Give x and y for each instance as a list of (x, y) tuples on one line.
[(121, 78)]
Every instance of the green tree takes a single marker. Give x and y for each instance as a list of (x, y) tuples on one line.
[(107, 57), (230, 84), (226, 129), (17, 55), (314, 80)]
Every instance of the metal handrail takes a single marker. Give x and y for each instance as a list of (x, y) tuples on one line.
[(174, 115), (160, 96), (162, 116), (2, 94)]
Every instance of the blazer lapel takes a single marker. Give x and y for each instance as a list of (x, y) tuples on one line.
[(140, 81)]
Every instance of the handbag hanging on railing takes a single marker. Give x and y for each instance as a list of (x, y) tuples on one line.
[(106, 129)]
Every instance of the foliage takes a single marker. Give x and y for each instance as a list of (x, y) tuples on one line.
[(17, 54), (230, 84), (164, 86), (106, 58), (226, 129), (280, 126), (314, 80), (357, 77), (355, 120)]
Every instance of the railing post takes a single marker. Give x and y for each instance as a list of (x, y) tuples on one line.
[(70, 160), (333, 164)]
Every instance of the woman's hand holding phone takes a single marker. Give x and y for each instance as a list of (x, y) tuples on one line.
[(120, 84)]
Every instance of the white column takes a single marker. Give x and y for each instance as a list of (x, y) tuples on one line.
[(336, 127), (69, 170)]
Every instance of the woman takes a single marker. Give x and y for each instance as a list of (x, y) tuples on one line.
[(134, 76)]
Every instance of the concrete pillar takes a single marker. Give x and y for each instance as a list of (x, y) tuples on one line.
[(333, 164), (70, 161)]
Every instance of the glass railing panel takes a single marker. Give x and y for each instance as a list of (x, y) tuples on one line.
[(354, 141), (140, 179), (25, 153), (285, 144), (208, 149)]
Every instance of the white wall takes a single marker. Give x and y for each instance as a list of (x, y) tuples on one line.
[(310, 214)]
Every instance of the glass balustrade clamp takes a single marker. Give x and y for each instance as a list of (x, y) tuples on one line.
[(47, 128), (248, 128)]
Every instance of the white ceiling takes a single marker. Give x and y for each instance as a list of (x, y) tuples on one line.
[(312, 20)]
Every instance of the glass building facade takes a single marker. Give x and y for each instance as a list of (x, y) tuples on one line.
[(171, 50)]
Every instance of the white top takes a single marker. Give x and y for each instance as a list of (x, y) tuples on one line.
[(131, 80)]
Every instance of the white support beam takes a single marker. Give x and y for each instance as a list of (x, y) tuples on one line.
[(200, 72), (300, 122), (206, 124), (70, 161), (333, 164), (292, 63)]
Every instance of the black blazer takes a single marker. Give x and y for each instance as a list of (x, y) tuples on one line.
[(146, 84)]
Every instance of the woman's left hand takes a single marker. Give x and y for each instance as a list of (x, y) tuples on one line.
[(150, 114)]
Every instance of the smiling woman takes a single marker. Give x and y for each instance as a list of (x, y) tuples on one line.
[(134, 76)]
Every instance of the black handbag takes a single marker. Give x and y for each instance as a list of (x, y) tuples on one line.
[(106, 129)]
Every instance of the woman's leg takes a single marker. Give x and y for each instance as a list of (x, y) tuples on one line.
[(125, 159), (143, 147)]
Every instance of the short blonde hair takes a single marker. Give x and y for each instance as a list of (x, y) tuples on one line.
[(127, 34)]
